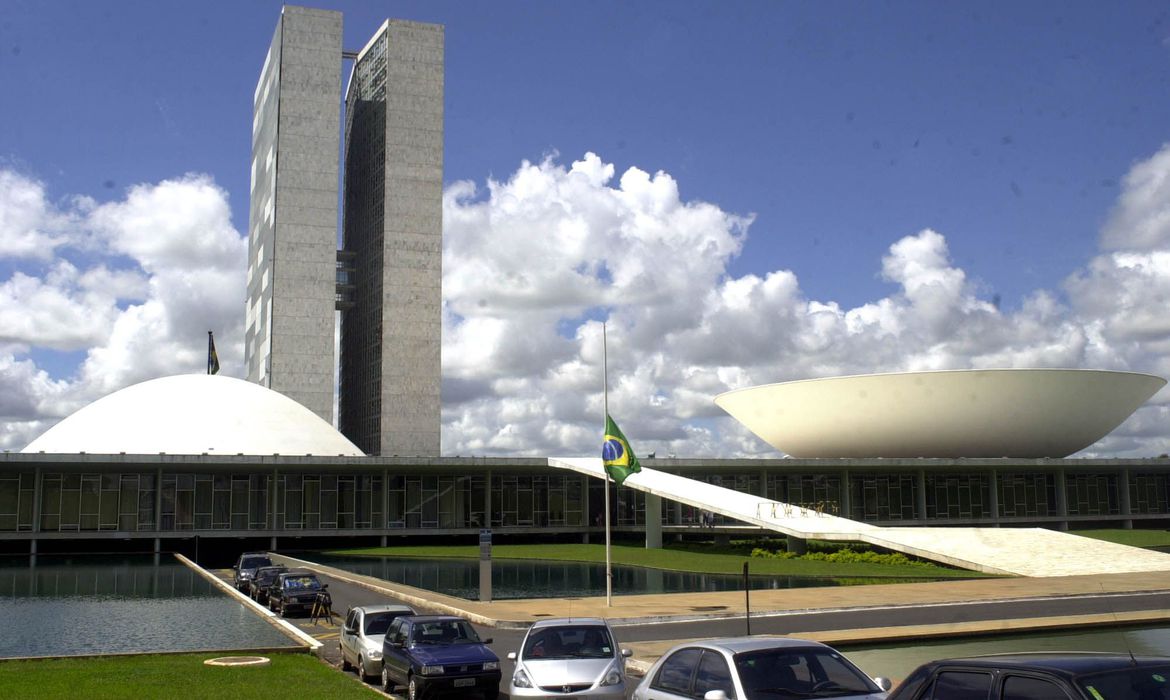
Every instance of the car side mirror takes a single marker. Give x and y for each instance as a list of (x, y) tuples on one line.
[(486, 641), (348, 630), (626, 653), (511, 656), (715, 695), (884, 683)]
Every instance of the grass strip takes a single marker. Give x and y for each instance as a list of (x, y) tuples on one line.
[(1133, 538), (174, 675), (727, 560)]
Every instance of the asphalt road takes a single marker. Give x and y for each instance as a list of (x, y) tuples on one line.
[(346, 595)]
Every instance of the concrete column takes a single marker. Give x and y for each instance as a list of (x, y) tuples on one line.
[(272, 544), (385, 502), (797, 545), (653, 521), (846, 495), (38, 494), (274, 500), (993, 496), (1123, 495), (920, 497), (157, 505), (585, 509), (1061, 499)]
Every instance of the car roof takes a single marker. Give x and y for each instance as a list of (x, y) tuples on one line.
[(566, 621), (738, 645), (370, 609), (433, 618), (298, 572), (1071, 663), (280, 568)]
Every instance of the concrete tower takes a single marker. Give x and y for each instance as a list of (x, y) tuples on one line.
[(292, 224), (392, 243)]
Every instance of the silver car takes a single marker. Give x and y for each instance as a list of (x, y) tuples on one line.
[(361, 638), (569, 658), (746, 668)]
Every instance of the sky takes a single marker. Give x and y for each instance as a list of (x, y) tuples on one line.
[(745, 192)]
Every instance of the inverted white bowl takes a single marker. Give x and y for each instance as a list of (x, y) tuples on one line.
[(1029, 413)]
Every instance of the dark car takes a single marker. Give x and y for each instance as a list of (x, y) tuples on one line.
[(1040, 676), (246, 567), (262, 581), (294, 590), (436, 655)]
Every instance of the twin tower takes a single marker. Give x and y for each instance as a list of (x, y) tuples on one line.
[(381, 278)]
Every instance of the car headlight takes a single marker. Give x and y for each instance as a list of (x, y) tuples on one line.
[(612, 677), (491, 665), (431, 670), (520, 679), (376, 654)]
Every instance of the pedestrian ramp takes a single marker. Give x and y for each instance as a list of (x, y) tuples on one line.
[(1006, 550)]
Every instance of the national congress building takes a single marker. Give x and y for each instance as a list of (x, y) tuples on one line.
[(177, 457)]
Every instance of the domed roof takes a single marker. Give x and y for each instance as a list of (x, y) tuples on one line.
[(194, 414), (1028, 413)]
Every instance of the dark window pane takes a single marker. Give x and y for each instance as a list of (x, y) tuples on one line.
[(961, 685), (1024, 688)]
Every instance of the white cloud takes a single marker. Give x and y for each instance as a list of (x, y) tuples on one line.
[(136, 284), (533, 264), (29, 228)]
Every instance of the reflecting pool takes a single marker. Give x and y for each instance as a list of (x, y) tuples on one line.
[(898, 660), (519, 578), (108, 604)]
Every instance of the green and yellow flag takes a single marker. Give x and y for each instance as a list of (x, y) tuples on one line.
[(616, 455)]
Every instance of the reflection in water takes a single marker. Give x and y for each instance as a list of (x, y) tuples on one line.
[(119, 603), (898, 660), (554, 579)]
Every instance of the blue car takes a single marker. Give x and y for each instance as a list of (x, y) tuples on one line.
[(434, 655)]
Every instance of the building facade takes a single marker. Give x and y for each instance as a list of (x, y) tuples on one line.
[(165, 497), (392, 239), (386, 277), (292, 222)]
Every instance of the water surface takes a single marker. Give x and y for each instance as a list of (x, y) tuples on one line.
[(104, 604)]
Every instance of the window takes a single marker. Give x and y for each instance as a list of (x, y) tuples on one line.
[(1026, 688), (675, 674), (713, 674), (961, 685)]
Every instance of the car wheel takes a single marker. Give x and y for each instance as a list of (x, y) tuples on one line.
[(345, 665), (387, 683), (361, 667), (414, 690)]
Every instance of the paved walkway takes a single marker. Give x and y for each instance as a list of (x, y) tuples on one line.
[(1015, 551)]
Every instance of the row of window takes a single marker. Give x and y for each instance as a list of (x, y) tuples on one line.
[(129, 501)]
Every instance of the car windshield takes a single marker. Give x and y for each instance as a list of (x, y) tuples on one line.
[(301, 583), (569, 642), (444, 632), (255, 562), (378, 623), (1135, 683), (808, 672)]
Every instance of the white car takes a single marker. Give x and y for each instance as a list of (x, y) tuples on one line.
[(569, 658), (361, 638), (746, 668)]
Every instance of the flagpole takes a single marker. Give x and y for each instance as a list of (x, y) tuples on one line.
[(604, 471)]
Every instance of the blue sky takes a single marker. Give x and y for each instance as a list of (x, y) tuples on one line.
[(833, 129)]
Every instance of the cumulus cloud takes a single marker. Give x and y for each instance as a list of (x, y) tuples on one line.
[(532, 266), (135, 284)]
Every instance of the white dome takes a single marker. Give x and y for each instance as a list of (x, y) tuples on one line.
[(1028, 413), (194, 414)]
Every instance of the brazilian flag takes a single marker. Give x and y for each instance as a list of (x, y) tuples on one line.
[(616, 455)]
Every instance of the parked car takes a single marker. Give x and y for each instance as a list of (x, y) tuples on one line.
[(246, 566), (262, 580), (438, 655), (362, 635), (1040, 676), (569, 657), (294, 590), (746, 668)]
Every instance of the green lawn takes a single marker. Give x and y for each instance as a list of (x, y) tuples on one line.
[(700, 559), (1134, 538), (175, 675)]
